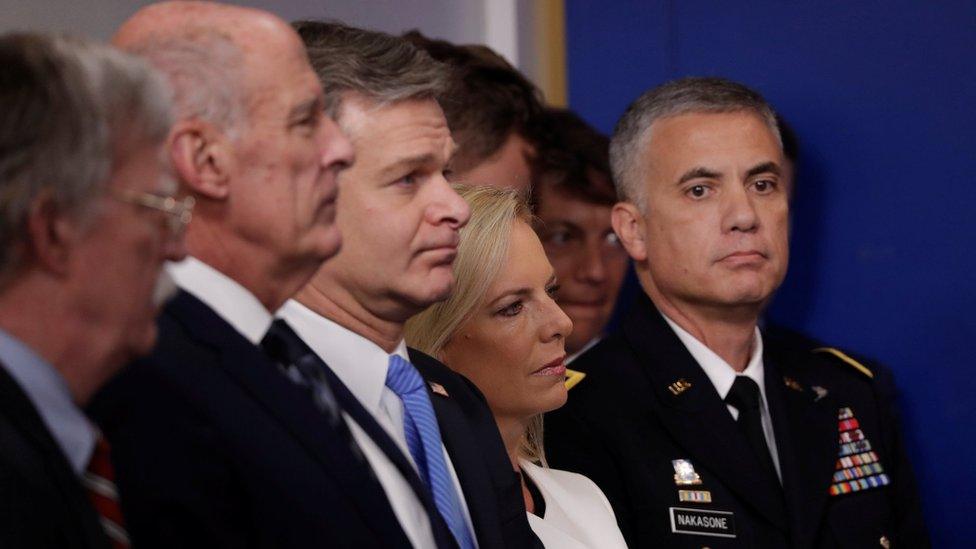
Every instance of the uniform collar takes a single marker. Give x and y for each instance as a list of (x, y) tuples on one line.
[(720, 372)]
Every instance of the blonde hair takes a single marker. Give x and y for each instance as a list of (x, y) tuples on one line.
[(481, 252)]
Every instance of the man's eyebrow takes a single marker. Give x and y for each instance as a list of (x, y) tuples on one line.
[(408, 161), (698, 173), (306, 107), (765, 167)]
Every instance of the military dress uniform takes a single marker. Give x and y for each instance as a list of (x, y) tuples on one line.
[(647, 425)]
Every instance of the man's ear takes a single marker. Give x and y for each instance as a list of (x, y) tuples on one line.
[(202, 158), (52, 234), (628, 223)]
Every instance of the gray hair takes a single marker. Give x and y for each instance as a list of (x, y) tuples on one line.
[(204, 68), (384, 68), (683, 96), (70, 112)]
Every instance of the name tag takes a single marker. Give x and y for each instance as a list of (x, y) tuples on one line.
[(702, 523)]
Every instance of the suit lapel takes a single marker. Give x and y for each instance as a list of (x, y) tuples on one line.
[(457, 437), (696, 417), (807, 461), (351, 405), (292, 407), (17, 406)]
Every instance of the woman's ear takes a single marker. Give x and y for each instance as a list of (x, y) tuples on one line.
[(629, 224), (202, 158)]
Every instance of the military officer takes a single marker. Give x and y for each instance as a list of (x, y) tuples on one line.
[(696, 435)]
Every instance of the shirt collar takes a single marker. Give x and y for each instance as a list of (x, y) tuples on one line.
[(231, 301), (589, 345), (49, 393), (360, 364), (719, 372)]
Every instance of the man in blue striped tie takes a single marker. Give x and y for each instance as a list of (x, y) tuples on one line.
[(427, 432)]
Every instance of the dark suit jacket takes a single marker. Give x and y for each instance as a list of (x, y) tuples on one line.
[(42, 503), (491, 487), (214, 447), (624, 425)]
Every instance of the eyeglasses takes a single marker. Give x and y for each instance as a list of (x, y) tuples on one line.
[(178, 212)]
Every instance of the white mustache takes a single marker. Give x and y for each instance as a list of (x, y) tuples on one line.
[(165, 288)]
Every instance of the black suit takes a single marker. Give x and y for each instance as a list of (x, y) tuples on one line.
[(491, 487), (42, 502), (626, 422), (214, 447)]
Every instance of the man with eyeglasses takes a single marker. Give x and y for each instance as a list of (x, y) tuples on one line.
[(87, 218)]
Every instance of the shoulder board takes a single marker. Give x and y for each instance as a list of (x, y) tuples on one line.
[(850, 361), (573, 377)]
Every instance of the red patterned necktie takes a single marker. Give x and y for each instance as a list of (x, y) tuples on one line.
[(99, 481)]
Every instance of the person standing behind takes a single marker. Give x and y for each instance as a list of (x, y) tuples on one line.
[(502, 329), (693, 432), (219, 442), (87, 218), (493, 111), (435, 447), (573, 197)]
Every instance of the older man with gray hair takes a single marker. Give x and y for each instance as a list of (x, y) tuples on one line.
[(87, 218), (400, 219), (229, 434), (695, 433)]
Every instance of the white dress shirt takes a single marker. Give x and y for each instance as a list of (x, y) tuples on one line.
[(589, 345), (722, 376), (361, 365), (577, 515), (231, 301)]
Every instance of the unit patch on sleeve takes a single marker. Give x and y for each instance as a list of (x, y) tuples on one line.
[(858, 466)]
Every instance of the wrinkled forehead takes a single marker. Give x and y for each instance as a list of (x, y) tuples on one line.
[(278, 80)]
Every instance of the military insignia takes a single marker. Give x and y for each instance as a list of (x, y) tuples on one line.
[(695, 496), (792, 383), (846, 359), (684, 473), (679, 386), (572, 378), (821, 392), (858, 466), (438, 389)]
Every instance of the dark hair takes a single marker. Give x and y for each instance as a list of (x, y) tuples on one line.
[(791, 145), (486, 101), (573, 158), (380, 66)]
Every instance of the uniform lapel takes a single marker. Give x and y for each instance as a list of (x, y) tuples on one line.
[(291, 406), (807, 442), (696, 417)]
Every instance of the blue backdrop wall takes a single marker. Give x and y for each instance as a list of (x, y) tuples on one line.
[(883, 98)]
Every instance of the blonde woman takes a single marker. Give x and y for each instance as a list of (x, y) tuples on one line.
[(502, 330)]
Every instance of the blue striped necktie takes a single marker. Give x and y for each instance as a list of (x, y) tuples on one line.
[(424, 442)]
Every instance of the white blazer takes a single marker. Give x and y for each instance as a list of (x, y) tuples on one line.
[(578, 515)]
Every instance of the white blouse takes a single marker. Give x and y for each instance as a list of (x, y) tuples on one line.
[(577, 514)]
